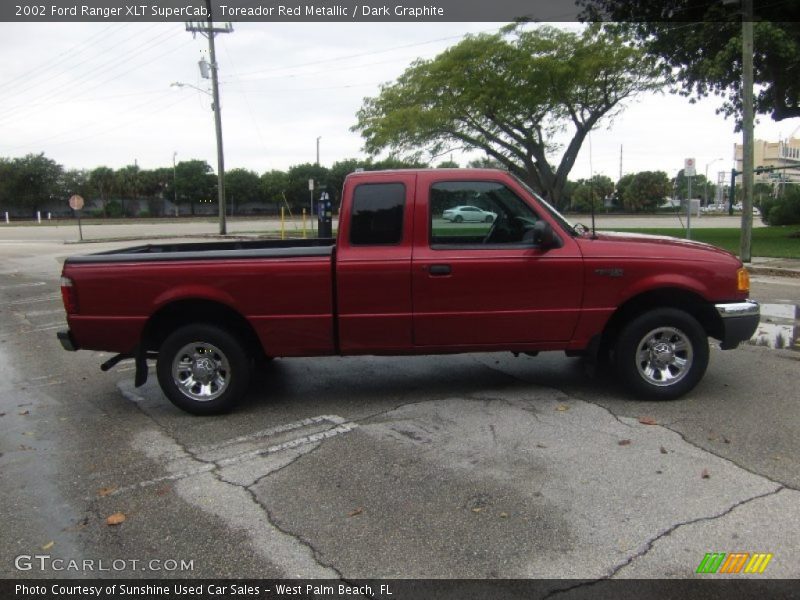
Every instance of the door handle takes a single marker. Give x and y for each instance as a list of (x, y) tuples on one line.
[(440, 270)]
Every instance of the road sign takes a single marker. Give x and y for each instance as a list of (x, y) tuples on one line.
[(688, 167), (76, 202)]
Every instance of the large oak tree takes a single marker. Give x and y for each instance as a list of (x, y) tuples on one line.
[(510, 94), (699, 47)]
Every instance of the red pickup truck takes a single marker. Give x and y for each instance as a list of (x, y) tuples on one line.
[(402, 279)]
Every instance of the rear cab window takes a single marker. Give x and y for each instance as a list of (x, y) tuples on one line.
[(377, 214)]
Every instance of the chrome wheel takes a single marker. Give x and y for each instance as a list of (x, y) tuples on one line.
[(664, 356), (201, 371)]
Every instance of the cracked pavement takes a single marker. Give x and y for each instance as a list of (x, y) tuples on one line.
[(512, 481)]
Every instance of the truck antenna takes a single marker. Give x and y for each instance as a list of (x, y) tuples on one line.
[(591, 186)]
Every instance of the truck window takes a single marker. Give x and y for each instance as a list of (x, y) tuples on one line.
[(478, 214), (377, 217)]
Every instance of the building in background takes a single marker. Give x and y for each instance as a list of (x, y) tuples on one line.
[(785, 153)]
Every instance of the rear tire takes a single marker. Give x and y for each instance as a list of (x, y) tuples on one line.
[(203, 369), (661, 354)]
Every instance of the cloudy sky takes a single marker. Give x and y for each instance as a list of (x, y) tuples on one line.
[(90, 94)]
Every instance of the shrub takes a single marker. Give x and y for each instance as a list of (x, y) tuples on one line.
[(114, 209), (784, 210)]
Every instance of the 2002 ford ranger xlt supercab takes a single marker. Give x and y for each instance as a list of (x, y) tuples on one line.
[(400, 279)]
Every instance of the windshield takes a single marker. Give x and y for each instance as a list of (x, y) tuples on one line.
[(562, 220)]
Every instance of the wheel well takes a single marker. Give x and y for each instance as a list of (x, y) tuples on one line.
[(185, 312), (684, 300)]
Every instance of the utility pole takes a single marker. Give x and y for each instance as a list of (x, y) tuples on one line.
[(319, 137), (747, 131), (207, 29)]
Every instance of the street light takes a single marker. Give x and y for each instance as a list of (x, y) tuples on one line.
[(705, 191), (220, 160)]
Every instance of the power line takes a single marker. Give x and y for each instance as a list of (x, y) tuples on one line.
[(43, 68), (147, 108), (362, 54), (58, 94), (10, 92)]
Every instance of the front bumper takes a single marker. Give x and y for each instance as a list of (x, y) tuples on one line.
[(739, 322), (65, 337)]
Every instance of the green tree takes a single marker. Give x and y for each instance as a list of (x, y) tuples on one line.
[(644, 191), (34, 182), (194, 182), (761, 191), (127, 184), (448, 164), (156, 185), (101, 182), (508, 94), (274, 185), (699, 46), (393, 162), (6, 183), (242, 186), (487, 162), (682, 185), (297, 192), (74, 181), (621, 187), (585, 192)]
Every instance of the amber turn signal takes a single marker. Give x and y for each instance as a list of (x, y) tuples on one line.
[(743, 280)]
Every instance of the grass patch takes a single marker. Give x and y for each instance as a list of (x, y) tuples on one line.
[(776, 242)]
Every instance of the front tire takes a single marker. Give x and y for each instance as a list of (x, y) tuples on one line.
[(203, 369), (458, 219), (662, 354)]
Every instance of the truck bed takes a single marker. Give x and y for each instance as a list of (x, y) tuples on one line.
[(283, 288), (212, 250)]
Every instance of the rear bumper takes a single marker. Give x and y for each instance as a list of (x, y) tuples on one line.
[(739, 322), (65, 337)]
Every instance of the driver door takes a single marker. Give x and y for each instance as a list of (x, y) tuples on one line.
[(484, 285)]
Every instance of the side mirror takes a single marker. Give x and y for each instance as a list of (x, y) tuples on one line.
[(543, 235)]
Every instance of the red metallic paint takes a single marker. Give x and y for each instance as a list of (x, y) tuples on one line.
[(384, 300)]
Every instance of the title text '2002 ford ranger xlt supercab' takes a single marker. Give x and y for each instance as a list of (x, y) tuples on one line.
[(401, 280)]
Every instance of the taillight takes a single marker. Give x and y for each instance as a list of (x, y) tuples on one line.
[(69, 296)]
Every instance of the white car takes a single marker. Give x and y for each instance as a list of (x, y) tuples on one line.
[(468, 213)]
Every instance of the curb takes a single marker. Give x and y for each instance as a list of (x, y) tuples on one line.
[(773, 271)]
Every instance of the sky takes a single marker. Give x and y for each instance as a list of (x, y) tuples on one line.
[(91, 94)]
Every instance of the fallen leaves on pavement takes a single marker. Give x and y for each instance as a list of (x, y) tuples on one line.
[(116, 519), (103, 492)]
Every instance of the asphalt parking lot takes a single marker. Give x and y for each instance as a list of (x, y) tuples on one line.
[(472, 466)]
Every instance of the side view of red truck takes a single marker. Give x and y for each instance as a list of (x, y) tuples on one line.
[(400, 279)]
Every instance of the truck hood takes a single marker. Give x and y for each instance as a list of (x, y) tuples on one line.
[(617, 244)]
